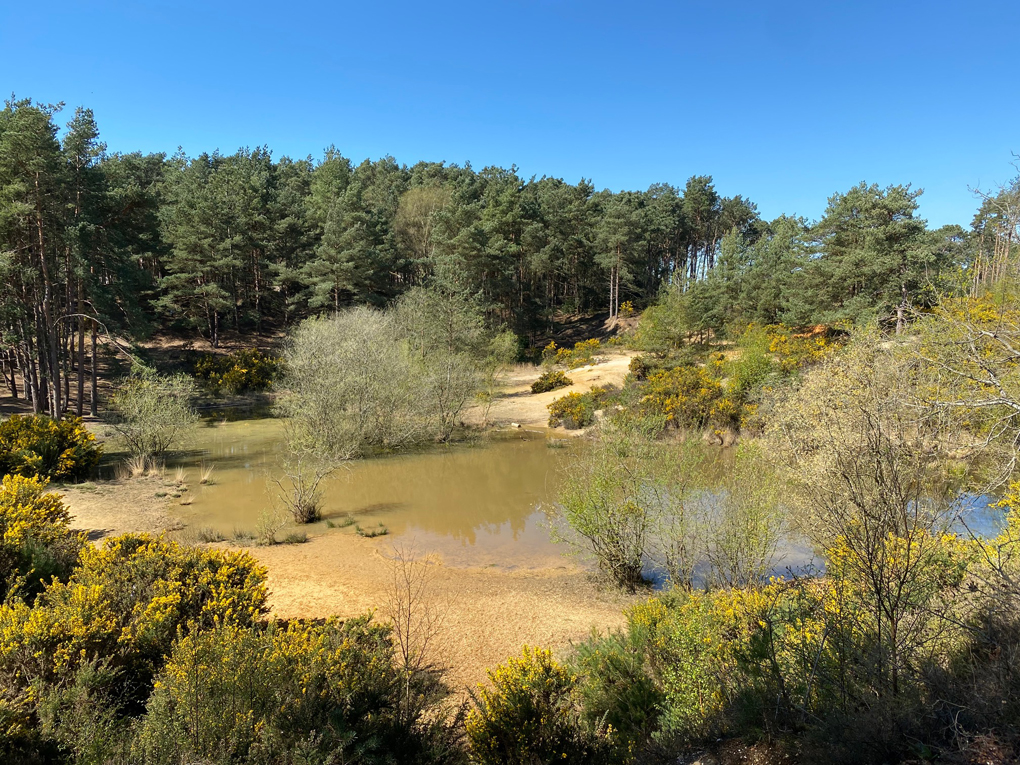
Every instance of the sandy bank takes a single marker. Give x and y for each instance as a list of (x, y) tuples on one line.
[(517, 404), (490, 612)]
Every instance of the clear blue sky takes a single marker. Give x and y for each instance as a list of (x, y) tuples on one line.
[(783, 102)]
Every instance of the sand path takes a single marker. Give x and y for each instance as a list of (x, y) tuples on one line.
[(517, 404)]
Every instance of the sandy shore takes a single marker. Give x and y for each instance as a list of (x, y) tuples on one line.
[(489, 613)]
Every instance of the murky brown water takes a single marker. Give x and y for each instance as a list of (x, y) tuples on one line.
[(476, 505)]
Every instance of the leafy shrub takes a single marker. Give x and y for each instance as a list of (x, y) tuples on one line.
[(639, 367), (528, 716), (581, 354), (626, 309), (685, 396), (550, 381), (616, 686), (797, 350), (572, 411), (123, 606), (36, 542), (549, 353), (245, 370), (750, 371), (304, 692), (39, 445), (151, 412)]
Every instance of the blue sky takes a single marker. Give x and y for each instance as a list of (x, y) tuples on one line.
[(783, 102)]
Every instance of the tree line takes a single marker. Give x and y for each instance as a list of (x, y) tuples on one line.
[(97, 245)]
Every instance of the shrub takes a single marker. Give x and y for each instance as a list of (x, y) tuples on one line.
[(304, 692), (616, 686), (750, 371), (685, 396), (124, 604), (151, 413), (246, 370), (549, 353), (612, 498), (572, 411), (36, 542), (550, 381), (797, 350), (582, 353), (639, 367), (527, 716), (40, 446)]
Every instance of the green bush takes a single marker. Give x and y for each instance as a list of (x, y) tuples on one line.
[(301, 693), (123, 606), (62, 450), (639, 367), (151, 412), (243, 371), (528, 716), (550, 381), (36, 542), (572, 411), (617, 688)]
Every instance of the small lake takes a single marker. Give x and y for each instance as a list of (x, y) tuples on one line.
[(477, 504)]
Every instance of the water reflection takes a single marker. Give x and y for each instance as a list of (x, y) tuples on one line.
[(474, 504)]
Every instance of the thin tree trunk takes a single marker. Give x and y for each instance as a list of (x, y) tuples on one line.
[(94, 398), (81, 355)]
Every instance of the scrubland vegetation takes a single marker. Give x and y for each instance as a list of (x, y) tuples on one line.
[(864, 366)]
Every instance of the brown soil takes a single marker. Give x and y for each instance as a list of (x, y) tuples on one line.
[(517, 405), (490, 613)]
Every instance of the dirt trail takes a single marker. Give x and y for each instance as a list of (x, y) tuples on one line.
[(517, 404)]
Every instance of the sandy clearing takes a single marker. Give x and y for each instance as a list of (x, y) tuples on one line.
[(517, 404), (490, 613), (108, 508)]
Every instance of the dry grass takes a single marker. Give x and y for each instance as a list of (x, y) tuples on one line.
[(205, 474), (133, 467)]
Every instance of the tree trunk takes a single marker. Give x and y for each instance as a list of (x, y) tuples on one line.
[(93, 398), (901, 310), (81, 357)]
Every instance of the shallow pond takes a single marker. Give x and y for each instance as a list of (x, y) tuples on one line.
[(475, 504)]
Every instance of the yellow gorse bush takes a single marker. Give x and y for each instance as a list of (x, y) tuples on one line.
[(267, 689), (128, 600), (582, 353), (39, 445), (248, 369), (572, 411), (795, 350), (685, 396), (29, 513), (526, 715)]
